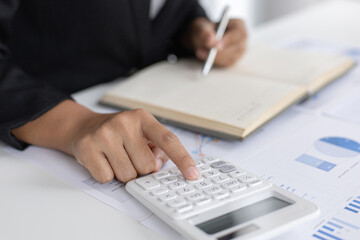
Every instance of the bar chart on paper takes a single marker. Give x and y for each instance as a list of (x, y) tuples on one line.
[(345, 225), (339, 148)]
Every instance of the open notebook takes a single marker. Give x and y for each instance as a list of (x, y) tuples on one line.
[(233, 102)]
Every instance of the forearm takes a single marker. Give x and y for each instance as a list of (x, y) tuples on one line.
[(56, 128)]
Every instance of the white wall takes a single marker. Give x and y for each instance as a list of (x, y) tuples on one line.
[(255, 12)]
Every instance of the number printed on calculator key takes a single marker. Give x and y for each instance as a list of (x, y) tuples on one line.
[(211, 174), (185, 190), (167, 196), (177, 185), (204, 184)]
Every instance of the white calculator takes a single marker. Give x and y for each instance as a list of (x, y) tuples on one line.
[(226, 202)]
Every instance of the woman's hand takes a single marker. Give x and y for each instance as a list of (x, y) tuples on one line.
[(122, 145), (230, 48)]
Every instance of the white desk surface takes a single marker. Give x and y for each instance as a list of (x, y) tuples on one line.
[(36, 205)]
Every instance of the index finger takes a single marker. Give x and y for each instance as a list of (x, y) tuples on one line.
[(170, 144)]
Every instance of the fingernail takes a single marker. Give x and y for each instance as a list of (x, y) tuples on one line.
[(159, 163), (192, 172)]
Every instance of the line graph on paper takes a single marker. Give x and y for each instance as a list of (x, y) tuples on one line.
[(198, 145), (201, 141)]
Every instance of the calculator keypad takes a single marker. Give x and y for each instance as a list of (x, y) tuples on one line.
[(220, 182)]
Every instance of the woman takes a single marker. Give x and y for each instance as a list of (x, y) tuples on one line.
[(49, 49)]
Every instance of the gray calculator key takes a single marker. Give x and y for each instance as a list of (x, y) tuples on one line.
[(168, 180), (147, 183), (227, 168), (177, 185), (218, 164)]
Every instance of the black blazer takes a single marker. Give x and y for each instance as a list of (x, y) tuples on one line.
[(51, 48)]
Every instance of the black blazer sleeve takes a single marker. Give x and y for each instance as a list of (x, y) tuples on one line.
[(21, 98)]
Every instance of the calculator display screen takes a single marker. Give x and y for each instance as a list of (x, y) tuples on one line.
[(242, 215)]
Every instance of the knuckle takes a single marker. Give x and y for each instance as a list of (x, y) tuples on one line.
[(105, 177), (147, 168), (169, 137), (103, 132), (84, 143), (141, 112), (130, 175)]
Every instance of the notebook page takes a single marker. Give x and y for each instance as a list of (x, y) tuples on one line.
[(309, 69), (221, 97)]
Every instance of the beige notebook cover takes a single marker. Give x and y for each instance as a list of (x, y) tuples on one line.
[(232, 102)]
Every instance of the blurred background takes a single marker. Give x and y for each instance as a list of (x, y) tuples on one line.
[(256, 12)]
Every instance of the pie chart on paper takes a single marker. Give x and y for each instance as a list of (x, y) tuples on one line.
[(338, 147)]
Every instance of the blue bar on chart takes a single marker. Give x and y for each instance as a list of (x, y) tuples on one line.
[(315, 162), (327, 231), (353, 206)]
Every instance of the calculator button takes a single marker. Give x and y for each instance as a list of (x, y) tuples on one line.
[(167, 196), (168, 180), (218, 164), (221, 195), (195, 196), (204, 184), (227, 168), (177, 185), (241, 187), (160, 175), (204, 168), (211, 174), (200, 179), (254, 183), (180, 177), (203, 201), (198, 163), (185, 190), (230, 184), (147, 183), (237, 173), (184, 208), (220, 179), (176, 202), (213, 190), (159, 191), (175, 171), (246, 178), (210, 159)]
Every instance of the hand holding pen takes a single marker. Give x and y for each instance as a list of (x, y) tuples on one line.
[(230, 48)]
